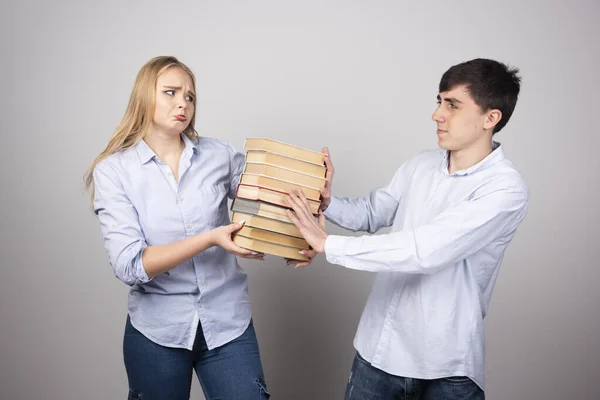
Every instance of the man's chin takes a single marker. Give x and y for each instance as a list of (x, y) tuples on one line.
[(450, 145), (442, 144)]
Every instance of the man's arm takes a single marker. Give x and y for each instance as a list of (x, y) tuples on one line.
[(454, 235), (367, 214)]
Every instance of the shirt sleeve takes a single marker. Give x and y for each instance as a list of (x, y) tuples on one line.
[(236, 167), (370, 213), (123, 238), (452, 236)]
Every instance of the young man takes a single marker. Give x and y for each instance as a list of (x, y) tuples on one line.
[(453, 212)]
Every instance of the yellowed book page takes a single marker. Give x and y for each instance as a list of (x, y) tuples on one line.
[(273, 237), (254, 221), (261, 209), (279, 185), (270, 196), (259, 156), (276, 172), (262, 212), (268, 248), (284, 149)]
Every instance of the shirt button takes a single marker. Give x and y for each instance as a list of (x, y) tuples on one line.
[(387, 323), (395, 294), (201, 283), (189, 226), (180, 198), (199, 305)]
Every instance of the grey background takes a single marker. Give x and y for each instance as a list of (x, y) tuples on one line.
[(360, 77)]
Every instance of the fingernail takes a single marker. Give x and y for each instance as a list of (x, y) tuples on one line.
[(254, 253), (301, 252), (295, 266), (242, 222)]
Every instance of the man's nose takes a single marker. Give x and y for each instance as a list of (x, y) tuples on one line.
[(438, 115)]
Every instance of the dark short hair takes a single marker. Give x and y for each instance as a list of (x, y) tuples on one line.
[(491, 84)]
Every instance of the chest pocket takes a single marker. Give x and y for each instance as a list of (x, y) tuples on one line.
[(211, 206)]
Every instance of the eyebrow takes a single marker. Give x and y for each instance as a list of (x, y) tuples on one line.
[(177, 88), (451, 100)]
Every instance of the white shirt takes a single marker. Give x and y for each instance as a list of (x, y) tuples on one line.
[(437, 267)]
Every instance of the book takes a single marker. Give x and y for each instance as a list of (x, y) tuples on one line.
[(273, 237), (271, 170), (260, 208), (278, 185), (269, 248), (271, 196), (274, 171), (267, 224), (261, 156), (274, 146)]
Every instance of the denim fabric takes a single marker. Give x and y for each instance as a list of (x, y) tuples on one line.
[(229, 372), (369, 383)]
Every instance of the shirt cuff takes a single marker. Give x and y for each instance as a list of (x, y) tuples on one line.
[(331, 208), (334, 249), (142, 276)]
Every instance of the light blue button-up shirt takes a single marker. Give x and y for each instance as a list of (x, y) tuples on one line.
[(437, 268), (139, 203)]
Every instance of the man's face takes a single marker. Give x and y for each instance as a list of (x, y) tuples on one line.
[(460, 122)]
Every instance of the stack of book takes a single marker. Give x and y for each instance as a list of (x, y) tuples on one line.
[(272, 168)]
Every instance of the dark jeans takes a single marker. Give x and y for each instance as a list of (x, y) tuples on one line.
[(369, 383), (230, 372)]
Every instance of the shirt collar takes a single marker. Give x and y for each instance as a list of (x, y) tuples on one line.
[(189, 144), (146, 153), (494, 157)]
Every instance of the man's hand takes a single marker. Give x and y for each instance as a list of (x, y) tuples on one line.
[(313, 232), (326, 191)]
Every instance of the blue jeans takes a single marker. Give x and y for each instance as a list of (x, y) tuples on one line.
[(230, 372), (369, 383)]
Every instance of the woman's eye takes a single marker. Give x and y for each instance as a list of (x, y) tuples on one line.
[(190, 98), (170, 92)]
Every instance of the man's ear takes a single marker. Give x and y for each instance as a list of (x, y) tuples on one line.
[(492, 118)]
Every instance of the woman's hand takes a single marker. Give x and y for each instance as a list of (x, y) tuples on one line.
[(221, 237), (301, 263)]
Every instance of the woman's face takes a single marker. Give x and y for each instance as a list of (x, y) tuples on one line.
[(174, 105)]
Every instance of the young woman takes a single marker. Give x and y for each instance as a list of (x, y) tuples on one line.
[(160, 193)]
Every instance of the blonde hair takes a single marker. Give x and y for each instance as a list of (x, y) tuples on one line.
[(140, 112)]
